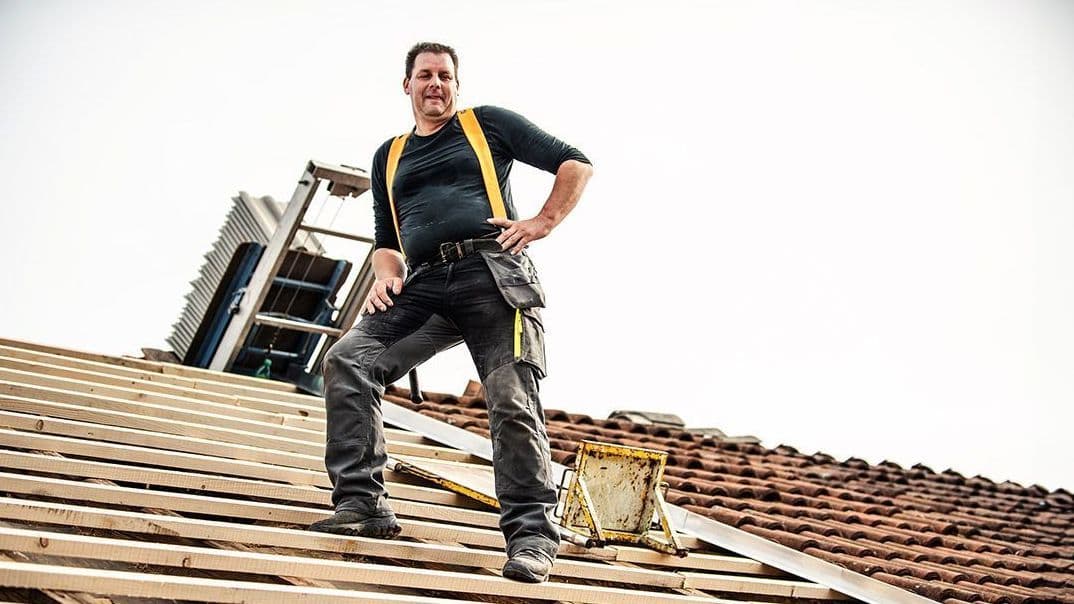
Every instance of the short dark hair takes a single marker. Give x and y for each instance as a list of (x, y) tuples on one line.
[(433, 47)]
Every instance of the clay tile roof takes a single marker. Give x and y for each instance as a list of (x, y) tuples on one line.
[(941, 535)]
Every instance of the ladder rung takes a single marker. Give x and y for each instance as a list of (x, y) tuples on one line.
[(330, 232), (297, 325), (307, 285)]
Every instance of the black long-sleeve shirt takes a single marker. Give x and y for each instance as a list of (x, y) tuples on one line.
[(439, 192)]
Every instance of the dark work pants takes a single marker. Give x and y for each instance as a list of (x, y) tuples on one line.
[(439, 307)]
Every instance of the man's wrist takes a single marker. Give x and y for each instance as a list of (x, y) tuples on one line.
[(546, 221)]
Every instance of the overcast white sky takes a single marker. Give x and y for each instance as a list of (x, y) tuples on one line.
[(843, 226)]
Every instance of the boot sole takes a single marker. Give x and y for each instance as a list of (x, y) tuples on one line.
[(377, 528), (521, 573)]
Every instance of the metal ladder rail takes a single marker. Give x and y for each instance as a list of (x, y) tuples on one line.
[(343, 181)]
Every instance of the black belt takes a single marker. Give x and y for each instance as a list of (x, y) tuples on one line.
[(453, 251)]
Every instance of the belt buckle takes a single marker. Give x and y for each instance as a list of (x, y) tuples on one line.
[(450, 251)]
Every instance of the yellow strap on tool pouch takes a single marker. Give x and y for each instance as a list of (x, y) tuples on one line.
[(518, 333), (476, 136)]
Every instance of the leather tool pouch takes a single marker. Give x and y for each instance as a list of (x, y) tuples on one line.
[(517, 281), (516, 278)]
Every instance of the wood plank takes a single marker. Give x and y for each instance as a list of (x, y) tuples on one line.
[(760, 586), (133, 391), (121, 413), (697, 560), (48, 596), (205, 455), (30, 385), (135, 381), (35, 362), (110, 449), (76, 392), (207, 483), (284, 401), (158, 554), (643, 556), (220, 506), (126, 428), (152, 383), (268, 536), (154, 366), (138, 585), (472, 481), (406, 436), (418, 436), (223, 426)]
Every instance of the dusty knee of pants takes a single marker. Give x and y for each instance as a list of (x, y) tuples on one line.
[(516, 418), (334, 358), (511, 389), (353, 356)]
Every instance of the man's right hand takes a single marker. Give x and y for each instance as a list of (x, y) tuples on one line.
[(378, 298)]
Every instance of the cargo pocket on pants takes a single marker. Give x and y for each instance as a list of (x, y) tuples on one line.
[(529, 339), (516, 278)]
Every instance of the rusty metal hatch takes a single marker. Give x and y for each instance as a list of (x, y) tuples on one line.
[(614, 493)]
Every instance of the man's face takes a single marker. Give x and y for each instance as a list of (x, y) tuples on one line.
[(432, 85)]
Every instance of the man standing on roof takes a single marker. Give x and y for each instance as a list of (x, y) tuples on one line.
[(451, 267)]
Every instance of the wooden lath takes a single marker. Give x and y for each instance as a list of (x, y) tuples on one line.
[(268, 536), (157, 457), (219, 427), (109, 447), (209, 441), (237, 487), (59, 544), (139, 585), (276, 389)]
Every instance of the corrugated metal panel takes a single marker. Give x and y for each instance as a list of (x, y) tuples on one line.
[(250, 219)]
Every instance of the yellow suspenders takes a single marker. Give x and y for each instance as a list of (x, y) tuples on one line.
[(472, 129), (477, 140), (476, 136), (394, 153)]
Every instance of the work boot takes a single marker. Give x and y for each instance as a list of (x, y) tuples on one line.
[(380, 524), (528, 566)]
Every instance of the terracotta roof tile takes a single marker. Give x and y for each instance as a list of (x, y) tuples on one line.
[(935, 590), (939, 534), (798, 542), (838, 544), (866, 565)]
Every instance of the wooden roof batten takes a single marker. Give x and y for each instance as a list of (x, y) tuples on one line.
[(172, 446)]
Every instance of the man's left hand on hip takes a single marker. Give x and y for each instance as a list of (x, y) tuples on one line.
[(518, 234)]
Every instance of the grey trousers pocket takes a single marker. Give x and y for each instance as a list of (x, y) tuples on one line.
[(516, 278)]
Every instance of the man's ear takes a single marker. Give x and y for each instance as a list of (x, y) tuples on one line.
[(406, 85)]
